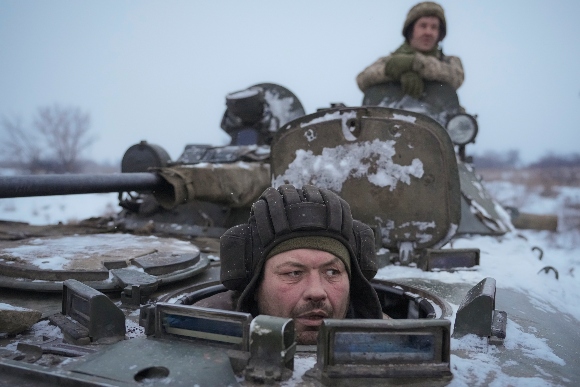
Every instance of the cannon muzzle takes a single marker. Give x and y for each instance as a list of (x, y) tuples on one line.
[(229, 184), (47, 185)]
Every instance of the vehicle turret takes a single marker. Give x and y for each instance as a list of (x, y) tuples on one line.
[(122, 304)]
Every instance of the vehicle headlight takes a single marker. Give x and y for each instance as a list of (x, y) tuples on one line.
[(462, 129)]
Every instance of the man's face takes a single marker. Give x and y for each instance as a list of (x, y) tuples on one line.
[(425, 33), (306, 285)]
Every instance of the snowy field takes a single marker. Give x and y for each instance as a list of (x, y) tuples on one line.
[(509, 259), (55, 209)]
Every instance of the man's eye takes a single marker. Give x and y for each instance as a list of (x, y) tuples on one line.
[(293, 274), (332, 272)]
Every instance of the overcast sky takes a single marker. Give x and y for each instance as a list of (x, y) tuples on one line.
[(159, 70)]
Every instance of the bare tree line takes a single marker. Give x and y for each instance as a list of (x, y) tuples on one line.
[(53, 143), (511, 160), (58, 136)]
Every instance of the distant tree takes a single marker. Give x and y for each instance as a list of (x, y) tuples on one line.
[(497, 160), (553, 160), (21, 146), (54, 143)]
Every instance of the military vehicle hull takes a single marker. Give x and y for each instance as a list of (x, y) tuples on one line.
[(131, 318), (540, 346)]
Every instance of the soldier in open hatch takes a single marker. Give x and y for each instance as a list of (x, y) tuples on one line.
[(301, 255), (419, 57)]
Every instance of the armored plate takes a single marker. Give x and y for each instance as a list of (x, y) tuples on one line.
[(255, 114), (439, 101), (541, 346), (284, 105), (107, 262), (157, 362), (140, 157), (195, 154), (480, 214), (396, 169)]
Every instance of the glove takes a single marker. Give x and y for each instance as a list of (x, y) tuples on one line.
[(412, 84), (398, 64)]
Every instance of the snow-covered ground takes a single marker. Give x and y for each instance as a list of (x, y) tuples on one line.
[(561, 201), (509, 259), (55, 209), (515, 265)]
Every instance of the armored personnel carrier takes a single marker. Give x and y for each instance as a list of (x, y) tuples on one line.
[(120, 302)]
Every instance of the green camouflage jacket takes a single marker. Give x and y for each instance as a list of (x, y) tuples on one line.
[(448, 69)]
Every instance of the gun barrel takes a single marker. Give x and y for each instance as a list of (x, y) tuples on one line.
[(47, 185)]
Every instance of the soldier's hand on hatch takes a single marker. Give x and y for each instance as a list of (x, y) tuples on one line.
[(398, 64), (412, 84)]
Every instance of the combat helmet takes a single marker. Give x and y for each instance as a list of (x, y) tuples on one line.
[(288, 218), (426, 8)]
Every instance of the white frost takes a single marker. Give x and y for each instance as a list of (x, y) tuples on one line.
[(302, 363), (243, 165), (58, 253), (310, 135), (243, 94), (481, 361), (404, 117), (335, 165), (133, 329), (45, 328), (337, 115), (62, 208), (388, 226), (4, 306), (280, 107), (255, 328)]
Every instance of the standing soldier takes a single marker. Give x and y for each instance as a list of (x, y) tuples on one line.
[(419, 58)]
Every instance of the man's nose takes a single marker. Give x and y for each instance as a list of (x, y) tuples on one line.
[(431, 32), (315, 290)]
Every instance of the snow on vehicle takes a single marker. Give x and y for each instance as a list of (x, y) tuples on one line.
[(122, 291)]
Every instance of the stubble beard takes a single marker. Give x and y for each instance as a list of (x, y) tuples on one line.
[(307, 334)]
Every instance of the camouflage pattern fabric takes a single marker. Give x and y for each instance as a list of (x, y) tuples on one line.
[(236, 184), (447, 69)]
